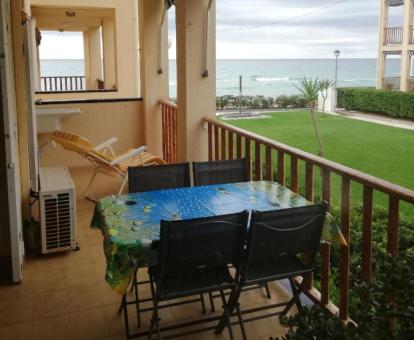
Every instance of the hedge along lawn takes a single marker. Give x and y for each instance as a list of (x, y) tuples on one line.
[(378, 150)]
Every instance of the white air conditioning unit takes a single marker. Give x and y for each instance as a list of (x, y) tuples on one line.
[(57, 201)]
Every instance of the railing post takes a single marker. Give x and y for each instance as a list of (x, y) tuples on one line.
[(345, 253), (325, 247), (239, 146), (210, 142), (257, 162), (309, 196), (393, 220), (223, 144), (248, 153), (174, 135), (216, 143), (366, 234), (164, 130), (231, 145), (269, 164), (294, 174), (281, 167)]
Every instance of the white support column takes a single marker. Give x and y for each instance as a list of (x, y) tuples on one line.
[(86, 59), (383, 23), (154, 85), (93, 53), (196, 95), (405, 58), (109, 55)]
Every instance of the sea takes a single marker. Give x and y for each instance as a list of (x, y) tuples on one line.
[(270, 77)]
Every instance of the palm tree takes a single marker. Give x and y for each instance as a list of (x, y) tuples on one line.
[(324, 85), (310, 89)]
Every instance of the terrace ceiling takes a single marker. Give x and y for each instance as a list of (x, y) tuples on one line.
[(70, 19)]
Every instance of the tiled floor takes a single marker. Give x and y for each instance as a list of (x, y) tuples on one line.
[(64, 296)]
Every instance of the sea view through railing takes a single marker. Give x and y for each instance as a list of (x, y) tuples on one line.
[(267, 77)]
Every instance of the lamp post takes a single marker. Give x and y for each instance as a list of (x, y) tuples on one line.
[(337, 53)]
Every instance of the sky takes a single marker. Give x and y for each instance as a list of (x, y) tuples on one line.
[(272, 29)]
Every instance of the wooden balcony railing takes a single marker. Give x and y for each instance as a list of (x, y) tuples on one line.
[(393, 35), (228, 142), (169, 131), (391, 83), (62, 83)]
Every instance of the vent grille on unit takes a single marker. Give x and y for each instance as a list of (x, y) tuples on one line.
[(58, 221)]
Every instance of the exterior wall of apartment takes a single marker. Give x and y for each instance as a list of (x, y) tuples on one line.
[(404, 48), (97, 122), (126, 41), (5, 250)]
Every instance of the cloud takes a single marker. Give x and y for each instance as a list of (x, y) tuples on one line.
[(296, 28)]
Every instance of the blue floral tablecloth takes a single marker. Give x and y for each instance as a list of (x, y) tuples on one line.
[(131, 222)]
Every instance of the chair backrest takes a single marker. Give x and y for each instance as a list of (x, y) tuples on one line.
[(220, 172), (157, 177), (291, 231), (72, 142), (211, 242)]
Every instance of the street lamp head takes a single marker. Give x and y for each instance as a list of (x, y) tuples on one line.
[(337, 53)]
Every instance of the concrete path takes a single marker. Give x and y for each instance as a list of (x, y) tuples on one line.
[(368, 117)]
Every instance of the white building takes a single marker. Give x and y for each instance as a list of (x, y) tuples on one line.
[(396, 42)]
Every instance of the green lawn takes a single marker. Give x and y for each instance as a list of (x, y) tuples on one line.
[(382, 151)]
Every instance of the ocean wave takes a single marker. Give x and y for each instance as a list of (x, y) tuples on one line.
[(274, 79), (357, 80)]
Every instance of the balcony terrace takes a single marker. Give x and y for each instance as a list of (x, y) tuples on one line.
[(64, 295)]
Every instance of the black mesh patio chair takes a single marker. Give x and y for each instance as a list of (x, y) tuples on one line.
[(276, 244), (158, 177), (220, 172), (149, 178), (194, 258)]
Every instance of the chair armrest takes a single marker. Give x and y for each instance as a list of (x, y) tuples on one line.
[(107, 144), (129, 155)]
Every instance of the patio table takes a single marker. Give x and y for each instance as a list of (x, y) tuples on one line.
[(129, 223)]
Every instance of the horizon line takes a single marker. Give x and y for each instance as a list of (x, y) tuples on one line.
[(247, 59)]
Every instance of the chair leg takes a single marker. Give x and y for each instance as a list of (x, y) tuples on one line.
[(124, 182), (266, 287), (155, 318), (137, 306), (203, 305), (240, 317), (134, 280), (89, 188), (124, 306), (296, 291), (233, 299), (213, 308), (227, 314)]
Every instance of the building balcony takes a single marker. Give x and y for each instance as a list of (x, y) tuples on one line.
[(82, 291), (393, 35), (65, 294), (410, 86), (395, 3), (391, 83)]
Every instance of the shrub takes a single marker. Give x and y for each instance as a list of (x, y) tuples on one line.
[(376, 316), (391, 103), (260, 102)]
